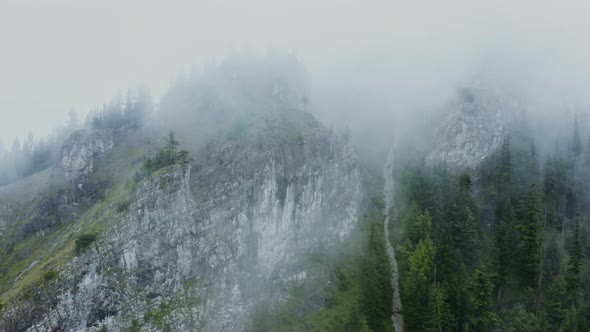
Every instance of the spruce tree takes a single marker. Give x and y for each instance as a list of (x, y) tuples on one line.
[(439, 316), (529, 228), (576, 255), (503, 246), (171, 147), (479, 295), (416, 285), (464, 220), (555, 303)]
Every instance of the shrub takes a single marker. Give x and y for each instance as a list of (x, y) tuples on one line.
[(49, 275), (135, 327), (122, 206), (84, 241)]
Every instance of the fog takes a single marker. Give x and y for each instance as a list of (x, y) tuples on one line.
[(372, 65)]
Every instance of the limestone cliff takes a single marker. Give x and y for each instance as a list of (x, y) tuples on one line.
[(200, 247)]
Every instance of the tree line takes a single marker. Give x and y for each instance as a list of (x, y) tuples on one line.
[(501, 247)]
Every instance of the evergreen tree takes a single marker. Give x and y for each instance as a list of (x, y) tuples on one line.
[(479, 295), (504, 244), (171, 147), (576, 255), (378, 290), (531, 167), (183, 157), (449, 273), (571, 320), (529, 227), (420, 228), (439, 316), (505, 174), (416, 285), (555, 303), (464, 220)]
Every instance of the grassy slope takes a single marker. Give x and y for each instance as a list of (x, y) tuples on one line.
[(53, 250)]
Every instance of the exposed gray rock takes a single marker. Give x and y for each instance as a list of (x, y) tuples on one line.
[(474, 126), (79, 152), (205, 246)]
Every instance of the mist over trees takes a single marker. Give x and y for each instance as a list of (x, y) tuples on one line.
[(515, 232), (33, 155)]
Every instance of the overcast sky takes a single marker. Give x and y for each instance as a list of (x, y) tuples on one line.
[(61, 54)]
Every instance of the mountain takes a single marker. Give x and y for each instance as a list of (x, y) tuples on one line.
[(473, 125), (205, 242)]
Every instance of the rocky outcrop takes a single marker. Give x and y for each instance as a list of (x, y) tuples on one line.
[(200, 248), (80, 151), (473, 127)]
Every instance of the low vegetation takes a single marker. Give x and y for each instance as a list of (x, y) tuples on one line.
[(83, 241)]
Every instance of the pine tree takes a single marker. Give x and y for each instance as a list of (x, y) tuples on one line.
[(505, 175), (171, 147), (420, 228), (576, 255), (532, 170), (504, 244), (529, 227), (555, 304), (479, 294), (449, 272), (464, 220), (571, 320), (183, 157), (439, 316), (416, 285)]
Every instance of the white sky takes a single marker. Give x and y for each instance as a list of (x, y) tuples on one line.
[(62, 54)]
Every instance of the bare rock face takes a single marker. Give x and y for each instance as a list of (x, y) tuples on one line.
[(474, 127), (79, 152), (201, 247)]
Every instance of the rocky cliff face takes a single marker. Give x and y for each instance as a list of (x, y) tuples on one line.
[(79, 152), (474, 126), (201, 247)]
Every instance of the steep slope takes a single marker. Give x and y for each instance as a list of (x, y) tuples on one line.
[(200, 247)]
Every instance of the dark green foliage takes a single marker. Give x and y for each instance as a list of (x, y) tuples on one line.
[(158, 316), (416, 286), (529, 244), (418, 224), (518, 319), (123, 205), (555, 303), (377, 275), (168, 155), (83, 241), (509, 233), (576, 255), (464, 222), (479, 299), (504, 245), (342, 281), (571, 320), (135, 326), (439, 317), (50, 275)]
